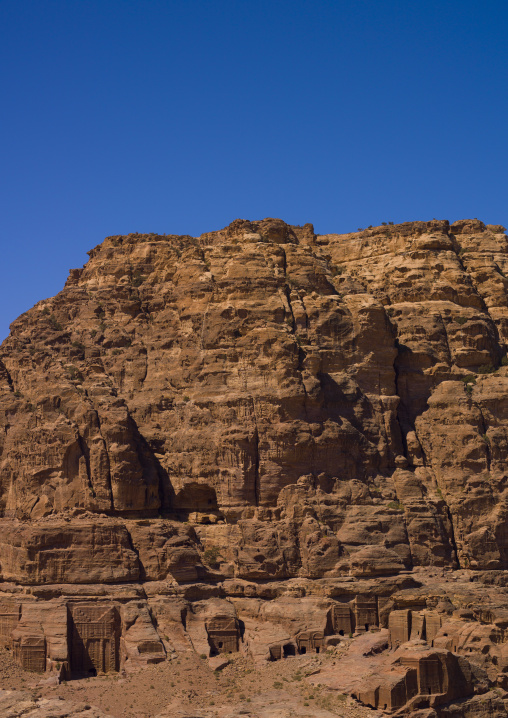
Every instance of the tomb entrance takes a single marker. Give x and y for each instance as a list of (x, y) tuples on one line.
[(223, 635), (94, 633)]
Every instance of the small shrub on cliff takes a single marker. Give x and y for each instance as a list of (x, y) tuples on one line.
[(460, 320), (396, 506), (211, 556), (74, 374), (486, 369), (55, 324), (137, 278)]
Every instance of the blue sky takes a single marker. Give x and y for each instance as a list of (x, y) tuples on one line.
[(180, 116)]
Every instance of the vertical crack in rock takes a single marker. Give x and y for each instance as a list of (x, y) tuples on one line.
[(257, 483), (445, 334), (452, 536), (287, 293), (108, 462), (86, 454), (5, 373), (484, 436)]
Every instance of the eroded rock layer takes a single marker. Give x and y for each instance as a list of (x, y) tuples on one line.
[(258, 404)]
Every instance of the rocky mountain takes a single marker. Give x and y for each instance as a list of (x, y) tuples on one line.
[(259, 409)]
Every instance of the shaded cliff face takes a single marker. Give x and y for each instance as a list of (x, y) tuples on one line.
[(277, 404)]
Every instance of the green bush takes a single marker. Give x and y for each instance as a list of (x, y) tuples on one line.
[(55, 324), (211, 556), (74, 373), (396, 505), (137, 278)]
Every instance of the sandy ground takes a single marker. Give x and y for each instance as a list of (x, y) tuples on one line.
[(186, 686)]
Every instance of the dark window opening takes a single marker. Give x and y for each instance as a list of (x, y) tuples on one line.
[(92, 672), (317, 649), (366, 626), (341, 632), (303, 650), (289, 650), (220, 644)]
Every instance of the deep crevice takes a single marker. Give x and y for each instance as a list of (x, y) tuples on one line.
[(257, 487), (86, 453), (5, 372)]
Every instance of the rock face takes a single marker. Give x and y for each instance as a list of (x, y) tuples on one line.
[(201, 416)]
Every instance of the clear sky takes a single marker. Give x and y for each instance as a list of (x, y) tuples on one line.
[(178, 116)]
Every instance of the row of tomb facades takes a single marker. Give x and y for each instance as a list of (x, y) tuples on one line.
[(77, 637), (88, 637)]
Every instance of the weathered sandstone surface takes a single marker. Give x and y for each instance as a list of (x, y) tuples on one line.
[(244, 438)]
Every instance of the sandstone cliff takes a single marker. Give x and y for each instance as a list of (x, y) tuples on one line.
[(212, 417), (311, 405)]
